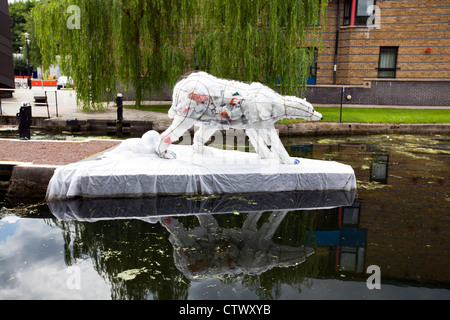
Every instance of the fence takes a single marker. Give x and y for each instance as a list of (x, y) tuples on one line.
[(44, 98)]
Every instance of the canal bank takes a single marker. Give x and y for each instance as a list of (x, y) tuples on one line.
[(26, 166), (136, 126)]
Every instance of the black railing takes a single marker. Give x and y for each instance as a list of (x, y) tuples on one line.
[(40, 100)]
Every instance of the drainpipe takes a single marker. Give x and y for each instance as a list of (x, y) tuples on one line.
[(352, 13), (336, 46)]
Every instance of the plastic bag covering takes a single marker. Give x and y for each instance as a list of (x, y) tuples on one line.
[(133, 169), (218, 104)]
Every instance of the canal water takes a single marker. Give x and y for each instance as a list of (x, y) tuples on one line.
[(390, 240)]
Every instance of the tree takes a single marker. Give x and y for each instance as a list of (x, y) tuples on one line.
[(260, 40), (22, 22), (18, 12), (149, 43), (20, 66)]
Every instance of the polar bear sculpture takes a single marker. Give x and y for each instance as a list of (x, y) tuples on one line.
[(214, 104)]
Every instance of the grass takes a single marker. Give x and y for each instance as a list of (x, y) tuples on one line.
[(385, 115), (162, 108), (365, 115)]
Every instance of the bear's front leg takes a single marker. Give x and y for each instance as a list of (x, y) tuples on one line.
[(203, 134), (267, 132), (178, 127)]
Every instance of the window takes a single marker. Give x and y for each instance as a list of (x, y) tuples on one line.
[(387, 65), (379, 168), (359, 15), (347, 12), (362, 8), (313, 67), (350, 214)]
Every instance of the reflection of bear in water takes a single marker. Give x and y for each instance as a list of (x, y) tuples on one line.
[(209, 250)]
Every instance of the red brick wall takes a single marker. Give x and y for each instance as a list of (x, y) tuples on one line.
[(412, 25)]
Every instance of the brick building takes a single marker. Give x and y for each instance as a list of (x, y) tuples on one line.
[(385, 52)]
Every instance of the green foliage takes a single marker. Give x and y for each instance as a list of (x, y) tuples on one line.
[(260, 40), (22, 22), (18, 13), (20, 66), (147, 44), (162, 108)]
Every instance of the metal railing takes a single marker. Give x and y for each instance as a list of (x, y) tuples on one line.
[(40, 100)]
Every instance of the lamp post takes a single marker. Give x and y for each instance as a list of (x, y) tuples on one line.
[(26, 34)]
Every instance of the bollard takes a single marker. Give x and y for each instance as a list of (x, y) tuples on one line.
[(119, 114), (119, 108), (25, 118)]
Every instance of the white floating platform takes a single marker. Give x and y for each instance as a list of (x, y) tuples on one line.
[(128, 171)]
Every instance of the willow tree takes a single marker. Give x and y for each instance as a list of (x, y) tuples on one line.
[(260, 40), (150, 43), (103, 43)]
